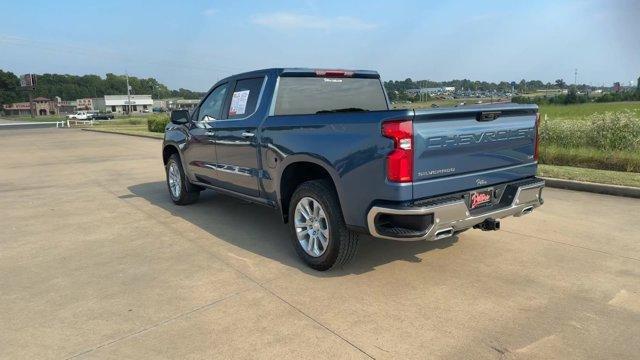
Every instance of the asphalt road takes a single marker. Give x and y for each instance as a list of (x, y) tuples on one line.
[(96, 262)]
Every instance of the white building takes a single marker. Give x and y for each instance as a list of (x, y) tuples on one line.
[(174, 104), (119, 103), (84, 104)]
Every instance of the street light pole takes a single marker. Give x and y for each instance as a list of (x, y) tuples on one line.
[(128, 95)]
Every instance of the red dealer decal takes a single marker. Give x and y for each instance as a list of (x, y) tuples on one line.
[(479, 198)]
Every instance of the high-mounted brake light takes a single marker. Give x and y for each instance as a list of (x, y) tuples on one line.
[(334, 73), (537, 140), (400, 160)]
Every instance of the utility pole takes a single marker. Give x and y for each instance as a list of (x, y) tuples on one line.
[(28, 83), (128, 94), (32, 107), (575, 77)]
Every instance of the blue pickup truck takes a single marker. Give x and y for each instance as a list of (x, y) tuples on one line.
[(326, 150)]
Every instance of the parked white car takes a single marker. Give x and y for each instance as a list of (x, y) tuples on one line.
[(80, 115)]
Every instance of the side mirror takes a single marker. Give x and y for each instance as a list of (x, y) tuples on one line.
[(180, 117)]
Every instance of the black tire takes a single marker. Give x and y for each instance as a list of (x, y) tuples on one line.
[(342, 243), (188, 193)]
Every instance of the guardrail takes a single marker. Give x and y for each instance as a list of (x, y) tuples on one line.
[(89, 122), (33, 123), (59, 124)]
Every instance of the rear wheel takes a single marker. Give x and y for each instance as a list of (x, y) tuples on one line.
[(320, 235), (182, 192)]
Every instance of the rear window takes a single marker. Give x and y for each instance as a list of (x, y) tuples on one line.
[(245, 98), (312, 95)]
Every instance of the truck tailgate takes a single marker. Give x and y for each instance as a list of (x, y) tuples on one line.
[(470, 147)]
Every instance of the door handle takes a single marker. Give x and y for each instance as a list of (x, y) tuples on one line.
[(248, 134), (210, 133)]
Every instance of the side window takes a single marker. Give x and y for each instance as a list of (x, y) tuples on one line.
[(212, 105), (245, 97)]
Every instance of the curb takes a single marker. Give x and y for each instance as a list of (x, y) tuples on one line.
[(616, 190), (122, 133)]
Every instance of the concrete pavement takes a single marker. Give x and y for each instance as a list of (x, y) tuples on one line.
[(96, 262)]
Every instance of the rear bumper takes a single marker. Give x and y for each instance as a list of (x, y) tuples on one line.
[(449, 216)]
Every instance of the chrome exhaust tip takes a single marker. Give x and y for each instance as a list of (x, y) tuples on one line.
[(444, 233), (527, 210)]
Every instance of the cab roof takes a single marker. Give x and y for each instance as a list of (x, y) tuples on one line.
[(305, 72)]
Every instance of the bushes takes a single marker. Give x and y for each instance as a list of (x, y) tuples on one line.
[(606, 131), (609, 141), (614, 131), (572, 97), (562, 99), (157, 123)]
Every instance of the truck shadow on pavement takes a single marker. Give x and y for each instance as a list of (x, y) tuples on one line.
[(260, 230)]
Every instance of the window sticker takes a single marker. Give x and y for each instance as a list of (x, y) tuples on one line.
[(239, 102)]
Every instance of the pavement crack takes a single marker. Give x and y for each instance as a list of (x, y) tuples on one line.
[(241, 273), (573, 245), (317, 322), (153, 326)]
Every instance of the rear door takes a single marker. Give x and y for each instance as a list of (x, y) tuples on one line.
[(236, 140), (471, 142)]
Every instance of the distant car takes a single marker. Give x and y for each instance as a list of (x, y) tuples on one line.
[(102, 116), (146, 111), (80, 115)]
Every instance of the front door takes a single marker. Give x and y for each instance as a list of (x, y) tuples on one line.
[(201, 152), (236, 139)]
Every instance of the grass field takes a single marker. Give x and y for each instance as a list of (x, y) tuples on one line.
[(577, 111), (135, 125), (581, 111), (590, 175), (36, 119), (587, 157)]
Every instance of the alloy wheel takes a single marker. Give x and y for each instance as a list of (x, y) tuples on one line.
[(175, 181), (312, 226)]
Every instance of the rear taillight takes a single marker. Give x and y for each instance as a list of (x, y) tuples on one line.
[(537, 140), (400, 160)]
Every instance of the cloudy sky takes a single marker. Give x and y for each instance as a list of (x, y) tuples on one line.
[(191, 44)]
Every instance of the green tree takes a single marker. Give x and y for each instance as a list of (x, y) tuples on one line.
[(9, 84)]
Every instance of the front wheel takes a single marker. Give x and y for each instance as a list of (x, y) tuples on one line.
[(320, 236), (182, 192)]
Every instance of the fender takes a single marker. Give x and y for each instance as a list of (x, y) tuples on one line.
[(176, 137), (311, 158)]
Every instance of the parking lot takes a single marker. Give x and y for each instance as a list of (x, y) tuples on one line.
[(96, 262)]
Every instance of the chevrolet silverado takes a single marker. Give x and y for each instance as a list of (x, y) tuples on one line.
[(326, 150)]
